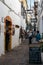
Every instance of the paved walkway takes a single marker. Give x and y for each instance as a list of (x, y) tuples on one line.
[(18, 56)]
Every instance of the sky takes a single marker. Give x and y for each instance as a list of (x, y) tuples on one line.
[(32, 3)]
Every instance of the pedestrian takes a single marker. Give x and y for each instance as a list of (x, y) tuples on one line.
[(34, 33), (21, 35), (38, 36), (30, 37)]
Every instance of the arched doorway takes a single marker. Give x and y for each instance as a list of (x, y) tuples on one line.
[(7, 34)]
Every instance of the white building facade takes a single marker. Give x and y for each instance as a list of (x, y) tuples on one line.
[(15, 5), (40, 17)]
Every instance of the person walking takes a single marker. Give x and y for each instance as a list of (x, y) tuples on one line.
[(30, 37), (21, 35), (38, 36)]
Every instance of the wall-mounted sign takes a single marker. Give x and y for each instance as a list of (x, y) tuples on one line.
[(33, 20)]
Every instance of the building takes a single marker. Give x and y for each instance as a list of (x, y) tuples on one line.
[(23, 13), (40, 17), (10, 13)]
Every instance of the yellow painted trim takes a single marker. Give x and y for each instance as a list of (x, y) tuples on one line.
[(24, 3)]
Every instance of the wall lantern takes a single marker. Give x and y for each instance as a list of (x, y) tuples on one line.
[(17, 26)]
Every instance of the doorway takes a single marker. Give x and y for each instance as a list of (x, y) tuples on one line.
[(8, 35)]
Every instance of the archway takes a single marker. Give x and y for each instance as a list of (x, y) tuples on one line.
[(7, 33)]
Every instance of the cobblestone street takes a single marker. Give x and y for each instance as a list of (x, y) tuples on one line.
[(18, 56)]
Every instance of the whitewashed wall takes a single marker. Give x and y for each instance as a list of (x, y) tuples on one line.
[(14, 4), (23, 23), (16, 20), (4, 11), (40, 14), (40, 25)]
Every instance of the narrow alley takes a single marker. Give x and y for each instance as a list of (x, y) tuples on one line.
[(21, 32), (18, 56)]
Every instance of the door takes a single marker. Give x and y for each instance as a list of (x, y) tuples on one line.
[(8, 35)]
